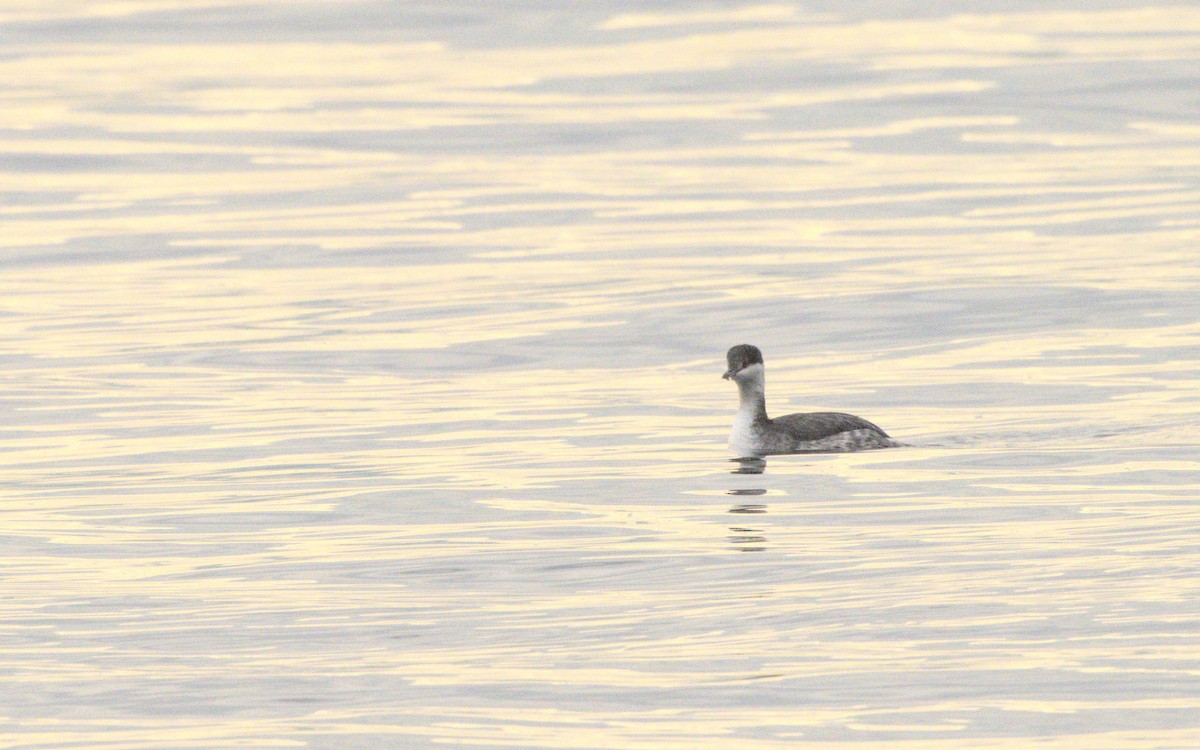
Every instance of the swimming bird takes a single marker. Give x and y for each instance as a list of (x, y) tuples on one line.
[(756, 434)]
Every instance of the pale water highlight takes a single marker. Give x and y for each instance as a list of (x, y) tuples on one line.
[(362, 375)]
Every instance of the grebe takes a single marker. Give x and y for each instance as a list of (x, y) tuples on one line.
[(756, 434)]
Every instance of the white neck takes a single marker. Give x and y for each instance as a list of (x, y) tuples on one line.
[(752, 388), (752, 408)]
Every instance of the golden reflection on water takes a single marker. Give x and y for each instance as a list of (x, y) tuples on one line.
[(206, 308), (487, 86), (286, 489)]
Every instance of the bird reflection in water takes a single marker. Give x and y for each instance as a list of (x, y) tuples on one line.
[(743, 538), (749, 465)]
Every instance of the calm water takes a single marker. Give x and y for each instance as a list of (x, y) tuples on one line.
[(361, 374)]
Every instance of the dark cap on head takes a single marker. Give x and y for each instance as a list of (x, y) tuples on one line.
[(741, 357)]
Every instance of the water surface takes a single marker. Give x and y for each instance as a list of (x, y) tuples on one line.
[(362, 374)]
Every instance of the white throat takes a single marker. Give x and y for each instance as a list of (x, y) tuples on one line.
[(751, 381), (752, 385)]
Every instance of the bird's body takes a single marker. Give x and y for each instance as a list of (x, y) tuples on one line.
[(756, 434)]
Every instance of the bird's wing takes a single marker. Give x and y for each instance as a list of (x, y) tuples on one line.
[(822, 424)]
